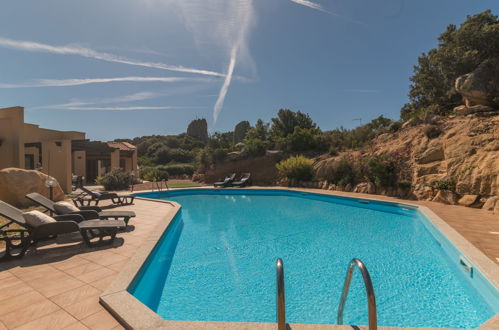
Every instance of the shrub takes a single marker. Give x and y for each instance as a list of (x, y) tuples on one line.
[(404, 185), (150, 173), (179, 169), (380, 172), (255, 147), (303, 139), (117, 179), (432, 131), (341, 172), (297, 167), (446, 184), (333, 151)]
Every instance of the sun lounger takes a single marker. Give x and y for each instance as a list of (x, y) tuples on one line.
[(64, 224), (88, 212), (226, 182), (95, 197), (243, 181)]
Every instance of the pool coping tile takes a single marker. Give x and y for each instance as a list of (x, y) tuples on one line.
[(132, 314)]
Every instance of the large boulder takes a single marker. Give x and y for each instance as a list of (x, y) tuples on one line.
[(16, 183), (445, 197), (480, 86), (490, 203), (468, 200)]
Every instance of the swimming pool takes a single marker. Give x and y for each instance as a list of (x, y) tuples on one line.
[(216, 262)]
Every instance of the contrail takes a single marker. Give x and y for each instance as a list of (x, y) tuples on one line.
[(31, 46), (319, 7), (131, 108), (225, 87), (78, 82), (312, 5)]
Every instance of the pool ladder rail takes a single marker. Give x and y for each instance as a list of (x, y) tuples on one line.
[(371, 298)]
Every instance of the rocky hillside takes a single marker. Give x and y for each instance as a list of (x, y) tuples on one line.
[(465, 151)]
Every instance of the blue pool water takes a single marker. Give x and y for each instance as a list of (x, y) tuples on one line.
[(216, 262)]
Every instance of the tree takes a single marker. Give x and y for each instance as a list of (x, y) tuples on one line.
[(286, 121), (240, 130), (460, 51), (198, 128), (260, 131)]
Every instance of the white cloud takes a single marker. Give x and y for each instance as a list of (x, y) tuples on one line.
[(78, 82), (31, 46)]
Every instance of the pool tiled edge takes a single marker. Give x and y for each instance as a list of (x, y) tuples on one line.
[(133, 314)]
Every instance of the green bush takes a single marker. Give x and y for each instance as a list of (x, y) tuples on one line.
[(446, 184), (154, 173), (117, 179), (303, 139), (341, 172), (255, 147), (297, 167), (432, 131), (380, 172), (179, 169)]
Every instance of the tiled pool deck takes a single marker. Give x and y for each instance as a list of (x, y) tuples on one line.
[(59, 285)]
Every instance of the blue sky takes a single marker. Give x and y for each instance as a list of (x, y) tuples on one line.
[(126, 68)]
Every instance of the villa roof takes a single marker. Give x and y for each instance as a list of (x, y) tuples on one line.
[(123, 146)]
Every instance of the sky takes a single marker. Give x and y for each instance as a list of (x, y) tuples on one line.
[(127, 68)]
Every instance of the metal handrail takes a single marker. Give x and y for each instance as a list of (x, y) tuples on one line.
[(371, 299), (281, 301)]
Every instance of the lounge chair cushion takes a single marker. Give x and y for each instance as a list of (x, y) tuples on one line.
[(65, 208), (37, 218)]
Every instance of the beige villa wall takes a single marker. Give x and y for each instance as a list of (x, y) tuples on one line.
[(12, 145), (79, 163), (115, 159), (56, 145), (56, 162)]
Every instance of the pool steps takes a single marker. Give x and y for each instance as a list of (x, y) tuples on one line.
[(371, 298)]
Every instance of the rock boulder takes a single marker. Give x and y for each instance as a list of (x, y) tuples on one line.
[(490, 203), (16, 183), (480, 86), (468, 200), (445, 197)]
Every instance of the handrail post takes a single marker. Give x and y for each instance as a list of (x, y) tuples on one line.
[(371, 299), (281, 301)]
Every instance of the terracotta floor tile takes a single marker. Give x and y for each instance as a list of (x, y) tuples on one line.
[(100, 321), (55, 285), (104, 258), (103, 283), (53, 321), (5, 274), (73, 296), (77, 326), (96, 275), (84, 308), (83, 269), (70, 263), (119, 265), (9, 281), (29, 313), (14, 290), (19, 302), (29, 275)]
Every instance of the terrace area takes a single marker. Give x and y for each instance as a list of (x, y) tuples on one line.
[(59, 285)]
